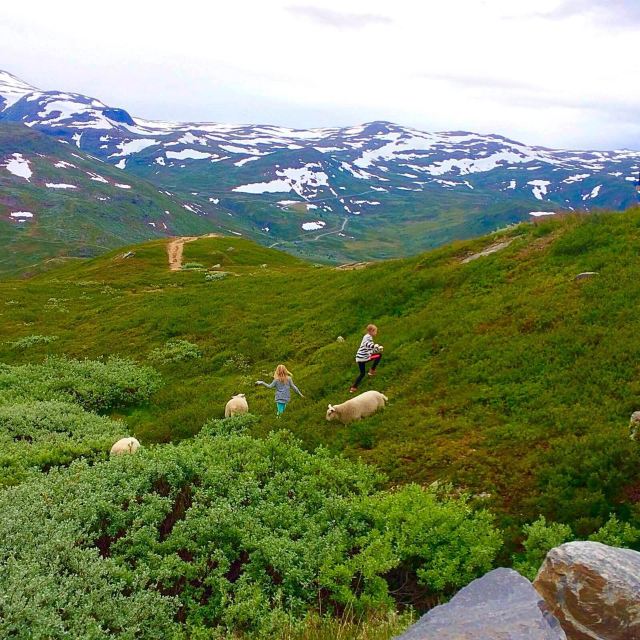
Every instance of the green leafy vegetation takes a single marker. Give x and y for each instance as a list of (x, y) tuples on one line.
[(224, 532), (30, 341), (95, 385), (175, 351), (505, 375), (38, 435), (510, 384)]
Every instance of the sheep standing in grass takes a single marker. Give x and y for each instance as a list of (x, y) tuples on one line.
[(236, 406), (125, 445), (361, 406)]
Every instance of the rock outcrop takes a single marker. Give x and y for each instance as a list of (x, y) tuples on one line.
[(502, 605), (593, 589)]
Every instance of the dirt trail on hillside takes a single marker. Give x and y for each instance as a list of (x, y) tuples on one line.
[(175, 246), (497, 246)]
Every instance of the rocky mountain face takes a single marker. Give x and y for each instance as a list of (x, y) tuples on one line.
[(372, 190)]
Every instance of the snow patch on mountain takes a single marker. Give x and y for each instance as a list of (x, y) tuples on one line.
[(388, 151), (133, 146), (244, 161), (303, 181), (539, 188), (60, 185), (577, 178), (97, 177), (313, 226), (12, 89), (187, 154), (64, 165), (274, 186), (594, 193), (19, 166)]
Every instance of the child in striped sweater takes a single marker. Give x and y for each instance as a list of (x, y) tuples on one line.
[(368, 352)]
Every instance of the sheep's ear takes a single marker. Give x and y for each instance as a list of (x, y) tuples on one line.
[(331, 407)]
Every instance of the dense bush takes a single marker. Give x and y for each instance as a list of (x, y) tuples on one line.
[(541, 537), (175, 351), (32, 340), (40, 435), (95, 385), (224, 532)]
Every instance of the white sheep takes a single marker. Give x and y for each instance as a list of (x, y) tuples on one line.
[(361, 406), (236, 406), (125, 445)]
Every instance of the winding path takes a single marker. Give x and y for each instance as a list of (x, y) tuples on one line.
[(176, 245)]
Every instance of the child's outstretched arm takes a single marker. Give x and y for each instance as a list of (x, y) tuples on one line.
[(264, 384), (296, 389)]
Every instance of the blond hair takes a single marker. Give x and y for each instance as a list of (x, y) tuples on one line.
[(371, 327), (281, 373)]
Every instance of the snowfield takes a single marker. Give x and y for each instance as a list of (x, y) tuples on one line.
[(18, 166), (313, 226), (187, 154), (539, 188)]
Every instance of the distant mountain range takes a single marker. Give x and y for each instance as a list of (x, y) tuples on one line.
[(368, 191)]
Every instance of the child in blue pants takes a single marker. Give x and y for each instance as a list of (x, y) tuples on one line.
[(283, 384)]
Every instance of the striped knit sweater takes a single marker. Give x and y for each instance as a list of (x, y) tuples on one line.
[(366, 349)]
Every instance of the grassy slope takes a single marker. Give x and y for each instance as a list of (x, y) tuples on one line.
[(505, 374)]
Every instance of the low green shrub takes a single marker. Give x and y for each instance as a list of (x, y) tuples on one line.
[(175, 351), (94, 384), (30, 341), (218, 535), (37, 436), (192, 265), (541, 537), (215, 275)]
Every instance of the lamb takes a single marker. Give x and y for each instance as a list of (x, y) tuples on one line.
[(236, 406), (125, 445), (361, 406)]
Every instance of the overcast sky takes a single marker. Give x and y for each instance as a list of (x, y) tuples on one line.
[(561, 73)]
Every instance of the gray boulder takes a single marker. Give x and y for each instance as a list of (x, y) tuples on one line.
[(502, 605), (593, 589)]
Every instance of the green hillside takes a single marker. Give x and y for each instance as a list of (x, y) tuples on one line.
[(510, 383), (80, 206), (506, 376)]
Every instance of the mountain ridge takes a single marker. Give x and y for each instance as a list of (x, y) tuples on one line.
[(368, 191)]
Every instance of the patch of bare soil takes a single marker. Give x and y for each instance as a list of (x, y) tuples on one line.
[(176, 245)]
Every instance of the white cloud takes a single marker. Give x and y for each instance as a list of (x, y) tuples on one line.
[(546, 72)]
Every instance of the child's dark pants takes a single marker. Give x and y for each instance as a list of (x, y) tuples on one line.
[(375, 358)]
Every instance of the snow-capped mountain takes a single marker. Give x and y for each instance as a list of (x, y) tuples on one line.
[(289, 182)]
